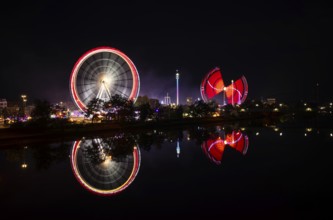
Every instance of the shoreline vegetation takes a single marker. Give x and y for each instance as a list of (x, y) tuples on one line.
[(14, 136), (121, 115)]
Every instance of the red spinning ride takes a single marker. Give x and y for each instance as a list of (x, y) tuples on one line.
[(213, 84)]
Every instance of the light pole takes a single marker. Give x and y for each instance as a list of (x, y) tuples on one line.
[(24, 101)]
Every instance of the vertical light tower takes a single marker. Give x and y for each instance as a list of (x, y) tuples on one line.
[(177, 83)]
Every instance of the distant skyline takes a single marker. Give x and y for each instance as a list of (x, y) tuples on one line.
[(282, 48)]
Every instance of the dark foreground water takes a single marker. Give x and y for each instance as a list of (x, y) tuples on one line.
[(202, 172)]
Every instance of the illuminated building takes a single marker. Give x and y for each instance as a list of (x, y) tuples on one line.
[(189, 101), (13, 108), (271, 101), (3, 103), (167, 100)]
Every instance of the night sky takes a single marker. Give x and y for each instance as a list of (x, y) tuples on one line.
[(282, 47)]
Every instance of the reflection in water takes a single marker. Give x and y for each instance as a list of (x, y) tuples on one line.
[(178, 148), (24, 164), (101, 167), (214, 146)]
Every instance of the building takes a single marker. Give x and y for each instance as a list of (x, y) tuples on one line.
[(3, 103), (189, 101), (271, 101), (167, 100), (13, 108), (29, 109)]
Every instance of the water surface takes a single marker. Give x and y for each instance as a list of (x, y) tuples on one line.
[(217, 171)]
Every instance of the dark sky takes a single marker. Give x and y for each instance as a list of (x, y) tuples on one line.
[(282, 47)]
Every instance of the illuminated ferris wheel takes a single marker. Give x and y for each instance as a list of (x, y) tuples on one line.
[(100, 172), (101, 73)]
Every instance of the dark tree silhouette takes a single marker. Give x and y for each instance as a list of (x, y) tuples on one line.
[(203, 109), (42, 110), (120, 107), (145, 111), (40, 114), (94, 106)]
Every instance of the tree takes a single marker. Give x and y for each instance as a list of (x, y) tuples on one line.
[(42, 110), (179, 112), (203, 109), (145, 111), (141, 100), (122, 108), (93, 107)]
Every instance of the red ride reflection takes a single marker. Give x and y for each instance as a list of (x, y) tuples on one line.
[(214, 147)]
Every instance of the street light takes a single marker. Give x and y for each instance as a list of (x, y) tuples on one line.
[(24, 100)]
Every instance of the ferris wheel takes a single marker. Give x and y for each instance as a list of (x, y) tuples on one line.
[(101, 73)]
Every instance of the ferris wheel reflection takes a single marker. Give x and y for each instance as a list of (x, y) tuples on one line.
[(215, 145), (105, 166)]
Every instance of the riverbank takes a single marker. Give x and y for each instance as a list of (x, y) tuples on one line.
[(67, 132)]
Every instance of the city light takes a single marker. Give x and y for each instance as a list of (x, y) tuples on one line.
[(24, 98)]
